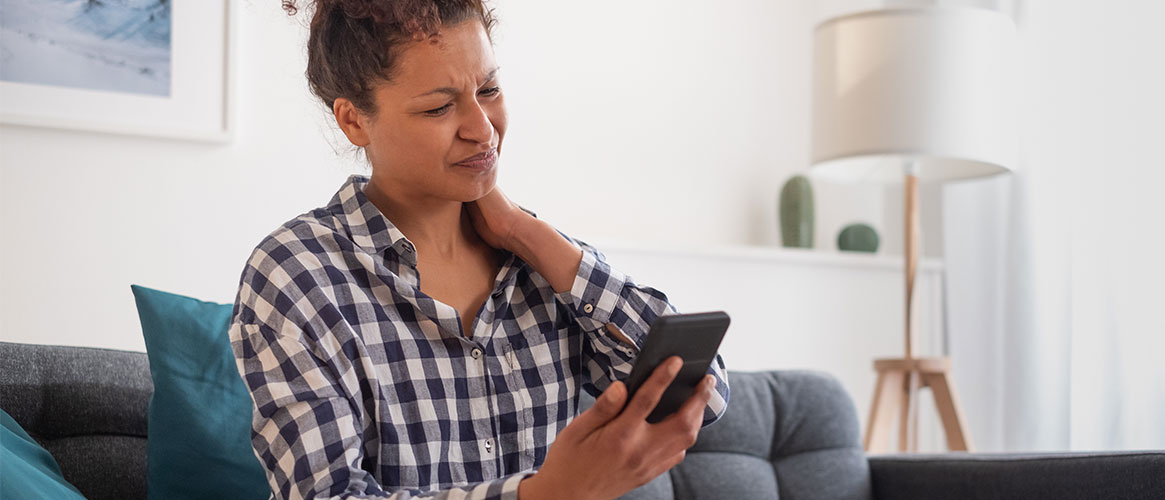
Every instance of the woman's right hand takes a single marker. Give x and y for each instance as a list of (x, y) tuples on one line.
[(604, 453)]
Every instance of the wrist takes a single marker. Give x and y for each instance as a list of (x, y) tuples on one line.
[(532, 488), (551, 254), (527, 232)]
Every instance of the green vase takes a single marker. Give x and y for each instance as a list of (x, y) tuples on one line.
[(796, 213), (858, 238)]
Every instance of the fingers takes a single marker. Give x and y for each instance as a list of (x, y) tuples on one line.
[(605, 409), (694, 406), (649, 393), (684, 425)]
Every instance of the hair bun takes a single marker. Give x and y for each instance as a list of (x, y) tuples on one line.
[(352, 44), (412, 16)]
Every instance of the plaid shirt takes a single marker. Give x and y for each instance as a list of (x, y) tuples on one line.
[(365, 387)]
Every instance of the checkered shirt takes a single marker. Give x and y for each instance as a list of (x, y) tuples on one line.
[(365, 387)]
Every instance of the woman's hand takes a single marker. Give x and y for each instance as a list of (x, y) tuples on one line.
[(605, 453), (502, 224), (497, 219)]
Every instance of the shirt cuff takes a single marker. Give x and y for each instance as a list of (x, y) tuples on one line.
[(508, 489), (595, 294)]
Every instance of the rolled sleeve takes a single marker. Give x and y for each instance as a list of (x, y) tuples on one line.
[(596, 293), (602, 296), (718, 403)]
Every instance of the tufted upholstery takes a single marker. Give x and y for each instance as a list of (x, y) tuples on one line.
[(87, 407), (791, 435)]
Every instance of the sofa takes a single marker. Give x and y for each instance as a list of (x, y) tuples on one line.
[(787, 434)]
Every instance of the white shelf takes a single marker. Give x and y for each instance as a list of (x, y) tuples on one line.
[(813, 257)]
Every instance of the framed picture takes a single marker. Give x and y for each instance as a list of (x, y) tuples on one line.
[(160, 68)]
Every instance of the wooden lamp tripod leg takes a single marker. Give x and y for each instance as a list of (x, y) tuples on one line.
[(887, 398), (958, 439), (900, 380)]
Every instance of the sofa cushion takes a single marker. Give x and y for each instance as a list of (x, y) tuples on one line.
[(1127, 475), (791, 435), (87, 407), (200, 414), (27, 471)]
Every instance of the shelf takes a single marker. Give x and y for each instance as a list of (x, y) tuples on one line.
[(813, 257)]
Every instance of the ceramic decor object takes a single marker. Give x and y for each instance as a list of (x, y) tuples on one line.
[(858, 238), (796, 213)]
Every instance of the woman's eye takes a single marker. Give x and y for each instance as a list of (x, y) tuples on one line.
[(492, 91), (438, 111)]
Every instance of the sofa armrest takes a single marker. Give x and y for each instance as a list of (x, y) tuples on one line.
[(1060, 476)]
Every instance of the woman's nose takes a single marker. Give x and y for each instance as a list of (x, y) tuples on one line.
[(475, 125)]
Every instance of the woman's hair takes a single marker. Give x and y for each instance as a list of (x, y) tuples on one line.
[(353, 44)]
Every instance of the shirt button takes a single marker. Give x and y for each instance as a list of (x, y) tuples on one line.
[(489, 446), (476, 353), (588, 308)]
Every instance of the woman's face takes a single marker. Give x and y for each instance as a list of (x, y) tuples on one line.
[(442, 106)]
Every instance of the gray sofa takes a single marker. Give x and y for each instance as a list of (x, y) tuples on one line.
[(787, 434)]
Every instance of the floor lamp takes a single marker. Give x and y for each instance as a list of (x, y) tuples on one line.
[(909, 95)]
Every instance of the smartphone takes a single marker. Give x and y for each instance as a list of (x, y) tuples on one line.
[(693, 337)]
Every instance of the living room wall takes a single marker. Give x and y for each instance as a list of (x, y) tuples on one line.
[(669, 123)]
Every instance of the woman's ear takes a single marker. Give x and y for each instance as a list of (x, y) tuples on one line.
[(351, 122)]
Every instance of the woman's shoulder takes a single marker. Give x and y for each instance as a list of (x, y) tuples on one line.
[(309, 233), (286, 262), (300, 249)]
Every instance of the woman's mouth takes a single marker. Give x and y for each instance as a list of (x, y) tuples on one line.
[(481, 162)]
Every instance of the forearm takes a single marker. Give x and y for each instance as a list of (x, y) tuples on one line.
[(552, 256)]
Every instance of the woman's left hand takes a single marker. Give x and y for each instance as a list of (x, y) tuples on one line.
[(497, 219)]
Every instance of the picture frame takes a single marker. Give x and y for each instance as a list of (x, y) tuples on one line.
[(199, 107)]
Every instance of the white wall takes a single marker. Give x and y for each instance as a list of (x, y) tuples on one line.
[(688, 114), (88, 214), (660, 122)]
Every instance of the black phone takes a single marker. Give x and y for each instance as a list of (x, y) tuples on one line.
[(695, 338)]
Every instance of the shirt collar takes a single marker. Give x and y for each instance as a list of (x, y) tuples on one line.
[(370, 229), (374, 233)]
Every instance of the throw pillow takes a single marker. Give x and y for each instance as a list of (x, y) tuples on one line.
[(28, 471), (200, 414)]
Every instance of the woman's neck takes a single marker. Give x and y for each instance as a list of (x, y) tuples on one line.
[(440, 229)]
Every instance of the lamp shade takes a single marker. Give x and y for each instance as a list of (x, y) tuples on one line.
[(932, 84)]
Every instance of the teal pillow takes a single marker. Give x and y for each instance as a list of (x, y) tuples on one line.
[(28, 471), (200, 414)]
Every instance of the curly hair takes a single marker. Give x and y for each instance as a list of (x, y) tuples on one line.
[(353, 44)]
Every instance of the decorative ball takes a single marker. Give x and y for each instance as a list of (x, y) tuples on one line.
[(858, 238)]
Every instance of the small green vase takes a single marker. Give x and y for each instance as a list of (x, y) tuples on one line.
[(858, 238), (796, 213)]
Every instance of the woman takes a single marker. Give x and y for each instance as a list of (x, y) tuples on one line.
[(421, 334)]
